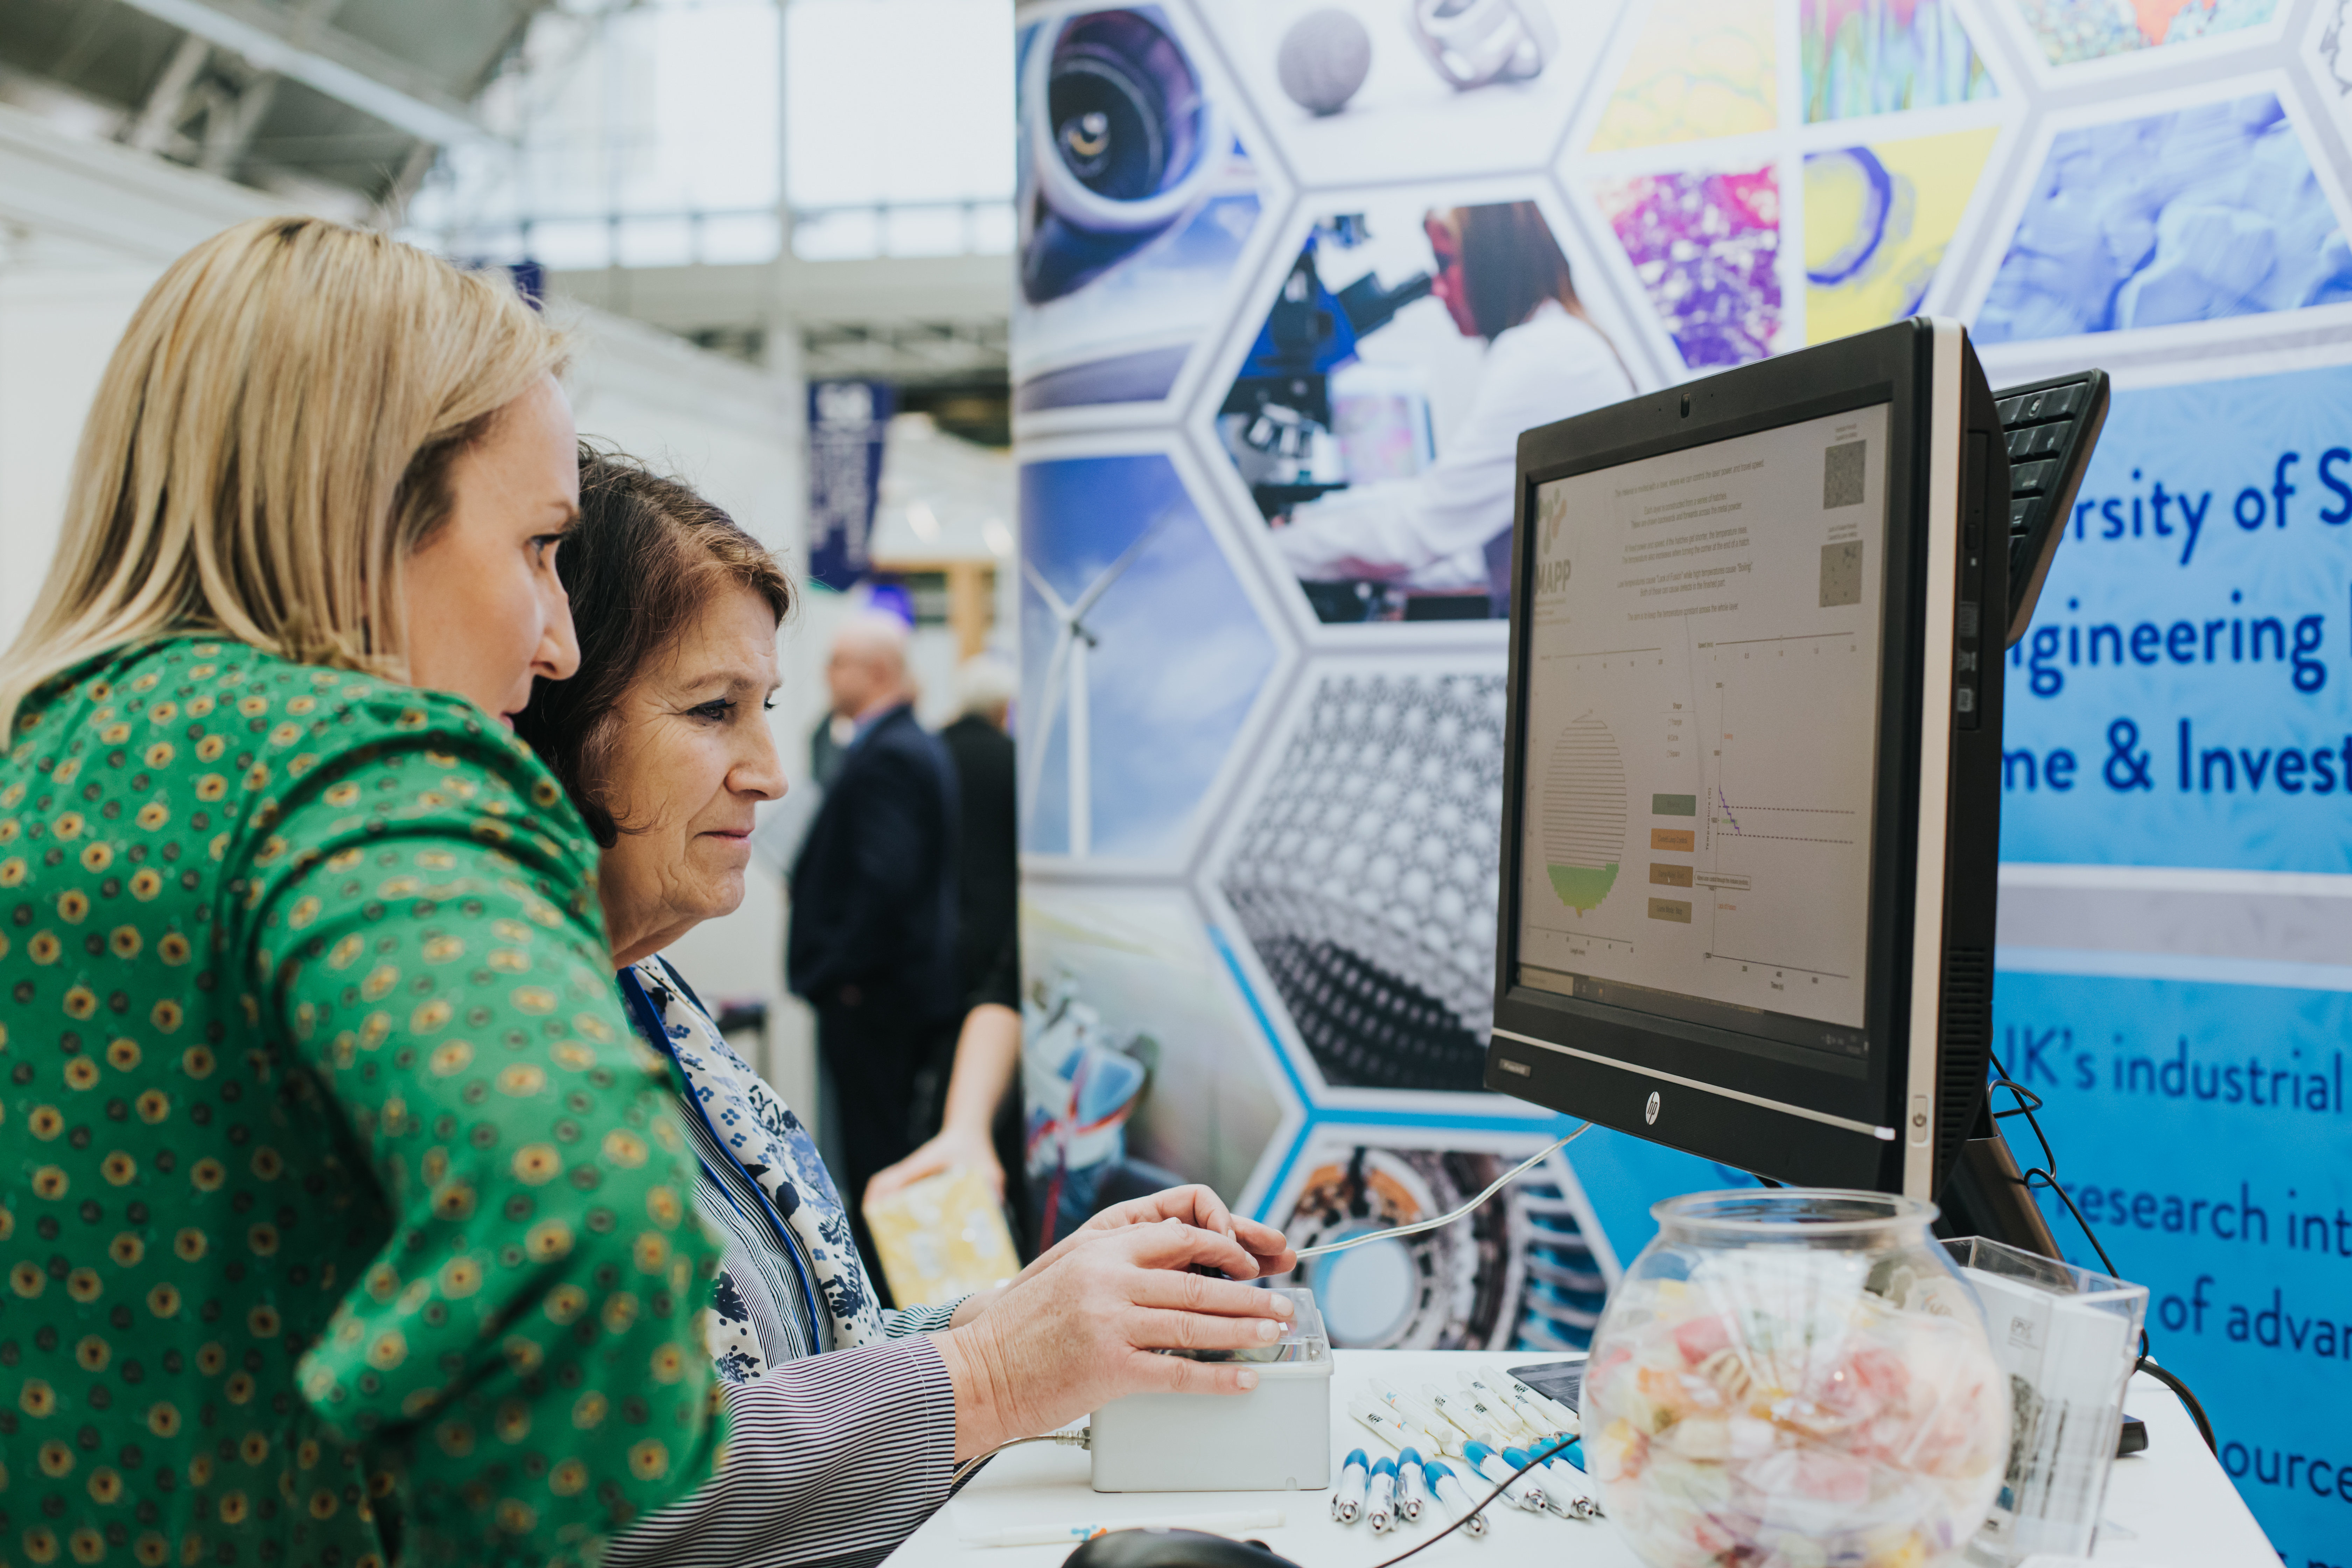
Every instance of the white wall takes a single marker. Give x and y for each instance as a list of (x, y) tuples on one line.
[(85, 229), (56, 331)]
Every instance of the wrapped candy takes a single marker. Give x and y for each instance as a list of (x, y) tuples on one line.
[(1794, 1379)]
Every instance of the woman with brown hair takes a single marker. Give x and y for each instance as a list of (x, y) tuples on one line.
[(1503, 278), (342, 1221), (846, 1420)]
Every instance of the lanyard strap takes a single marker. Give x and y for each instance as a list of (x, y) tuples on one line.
[(649, 1025)]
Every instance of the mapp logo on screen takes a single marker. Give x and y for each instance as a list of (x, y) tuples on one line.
[(1551, 576)]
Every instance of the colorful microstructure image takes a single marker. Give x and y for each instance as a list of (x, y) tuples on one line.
[(1699, 69), (2193, 215), (2071, 30), (1705, 246), (1877, 220), (1880, 57)]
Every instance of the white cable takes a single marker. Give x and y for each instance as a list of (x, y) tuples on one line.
[(1522, 1168)]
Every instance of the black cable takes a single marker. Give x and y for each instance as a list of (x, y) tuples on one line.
[(2046, 1174), (2196, 1410), (1490, 1496)]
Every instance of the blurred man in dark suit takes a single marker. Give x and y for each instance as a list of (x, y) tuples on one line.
[(988, 875), (872, 941)]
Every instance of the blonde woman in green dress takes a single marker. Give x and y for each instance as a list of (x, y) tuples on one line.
[(342, 1219)]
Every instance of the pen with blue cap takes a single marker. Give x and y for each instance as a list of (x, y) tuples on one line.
[(1567, 1505), (1380, 1504), (1447, 1488), (1413, 1486), (1517, 1490), (1563, 1459), (1348, 1497)]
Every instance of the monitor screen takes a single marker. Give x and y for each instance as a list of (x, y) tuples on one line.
[(1702, 663)]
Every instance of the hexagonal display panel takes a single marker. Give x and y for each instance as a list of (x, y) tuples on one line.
[(1364, 877), (1140, 657), (1522, 1273), (1136, 197), (1375, 418), (1143, 1073), (1358, 90), (1878, 220), (2192, 214)]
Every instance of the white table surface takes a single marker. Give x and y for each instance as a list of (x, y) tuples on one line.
[(2171, 1507)]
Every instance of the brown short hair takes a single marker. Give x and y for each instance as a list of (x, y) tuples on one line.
[(640, 565)]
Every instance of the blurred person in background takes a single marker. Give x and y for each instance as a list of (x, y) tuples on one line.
[(845, 1419), (872, 945), (981, 1119), (1503, 278), (343, 1217)]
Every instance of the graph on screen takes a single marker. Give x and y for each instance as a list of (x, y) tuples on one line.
[(1703, 654)]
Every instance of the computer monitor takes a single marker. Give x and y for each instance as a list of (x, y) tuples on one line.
[(1752, 771)]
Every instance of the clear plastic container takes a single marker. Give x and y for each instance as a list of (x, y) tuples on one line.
[(1794, 1377), (2067, 1338)]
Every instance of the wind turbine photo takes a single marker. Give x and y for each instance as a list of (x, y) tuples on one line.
[(1066, 685)]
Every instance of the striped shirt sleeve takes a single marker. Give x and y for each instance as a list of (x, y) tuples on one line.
[(831, 1460)]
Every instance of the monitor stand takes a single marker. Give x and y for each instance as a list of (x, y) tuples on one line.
[(1986, 1194)]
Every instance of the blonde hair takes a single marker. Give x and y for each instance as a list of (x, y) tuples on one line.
[(271, 440)]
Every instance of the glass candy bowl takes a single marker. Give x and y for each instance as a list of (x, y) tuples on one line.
[(1788, 1378)]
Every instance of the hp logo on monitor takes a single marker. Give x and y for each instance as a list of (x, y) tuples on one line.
[(1650, 1112)]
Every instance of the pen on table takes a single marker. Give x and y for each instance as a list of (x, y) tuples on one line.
[(1520, 1492), (1379, 1506), (1444, 1435), (1457, 1411), (1413, 1485), (1355, 1485), (1448, 1491), (1390, 1426), (1499, 1411), (1057, 1534), (1559, 1502), (1562, 1417)]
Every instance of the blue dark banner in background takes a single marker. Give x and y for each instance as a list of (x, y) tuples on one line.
[(847, 421), (2176, 916)]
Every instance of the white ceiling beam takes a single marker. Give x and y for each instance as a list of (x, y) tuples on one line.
[(325, 61)]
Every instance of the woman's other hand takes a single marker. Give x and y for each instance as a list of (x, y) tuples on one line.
[(1264, 1247), (1080, 1329), (954, 1146)]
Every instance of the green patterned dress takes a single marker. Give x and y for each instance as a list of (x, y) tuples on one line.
[(343, 1221)]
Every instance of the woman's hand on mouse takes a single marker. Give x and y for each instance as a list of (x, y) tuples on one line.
[(1082, 1328), (1267, 1252), (1194, 1205)]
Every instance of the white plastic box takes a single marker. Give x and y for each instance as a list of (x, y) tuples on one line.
[(1276, 1438)]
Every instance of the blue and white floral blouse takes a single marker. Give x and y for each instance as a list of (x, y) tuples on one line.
[(832, 1457)]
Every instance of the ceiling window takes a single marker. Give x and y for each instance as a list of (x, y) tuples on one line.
[(898, 127), (671, 132)]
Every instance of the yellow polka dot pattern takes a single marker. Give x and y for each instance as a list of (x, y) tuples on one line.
[(340, 1214)]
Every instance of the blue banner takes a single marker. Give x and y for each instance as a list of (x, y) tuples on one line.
[(2180, 698), (847, 421), (2179, 755)]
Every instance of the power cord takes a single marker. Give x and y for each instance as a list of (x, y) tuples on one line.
[(2045, 1174), (1499, 1182), (1081, 1439), (1481, 1508)]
